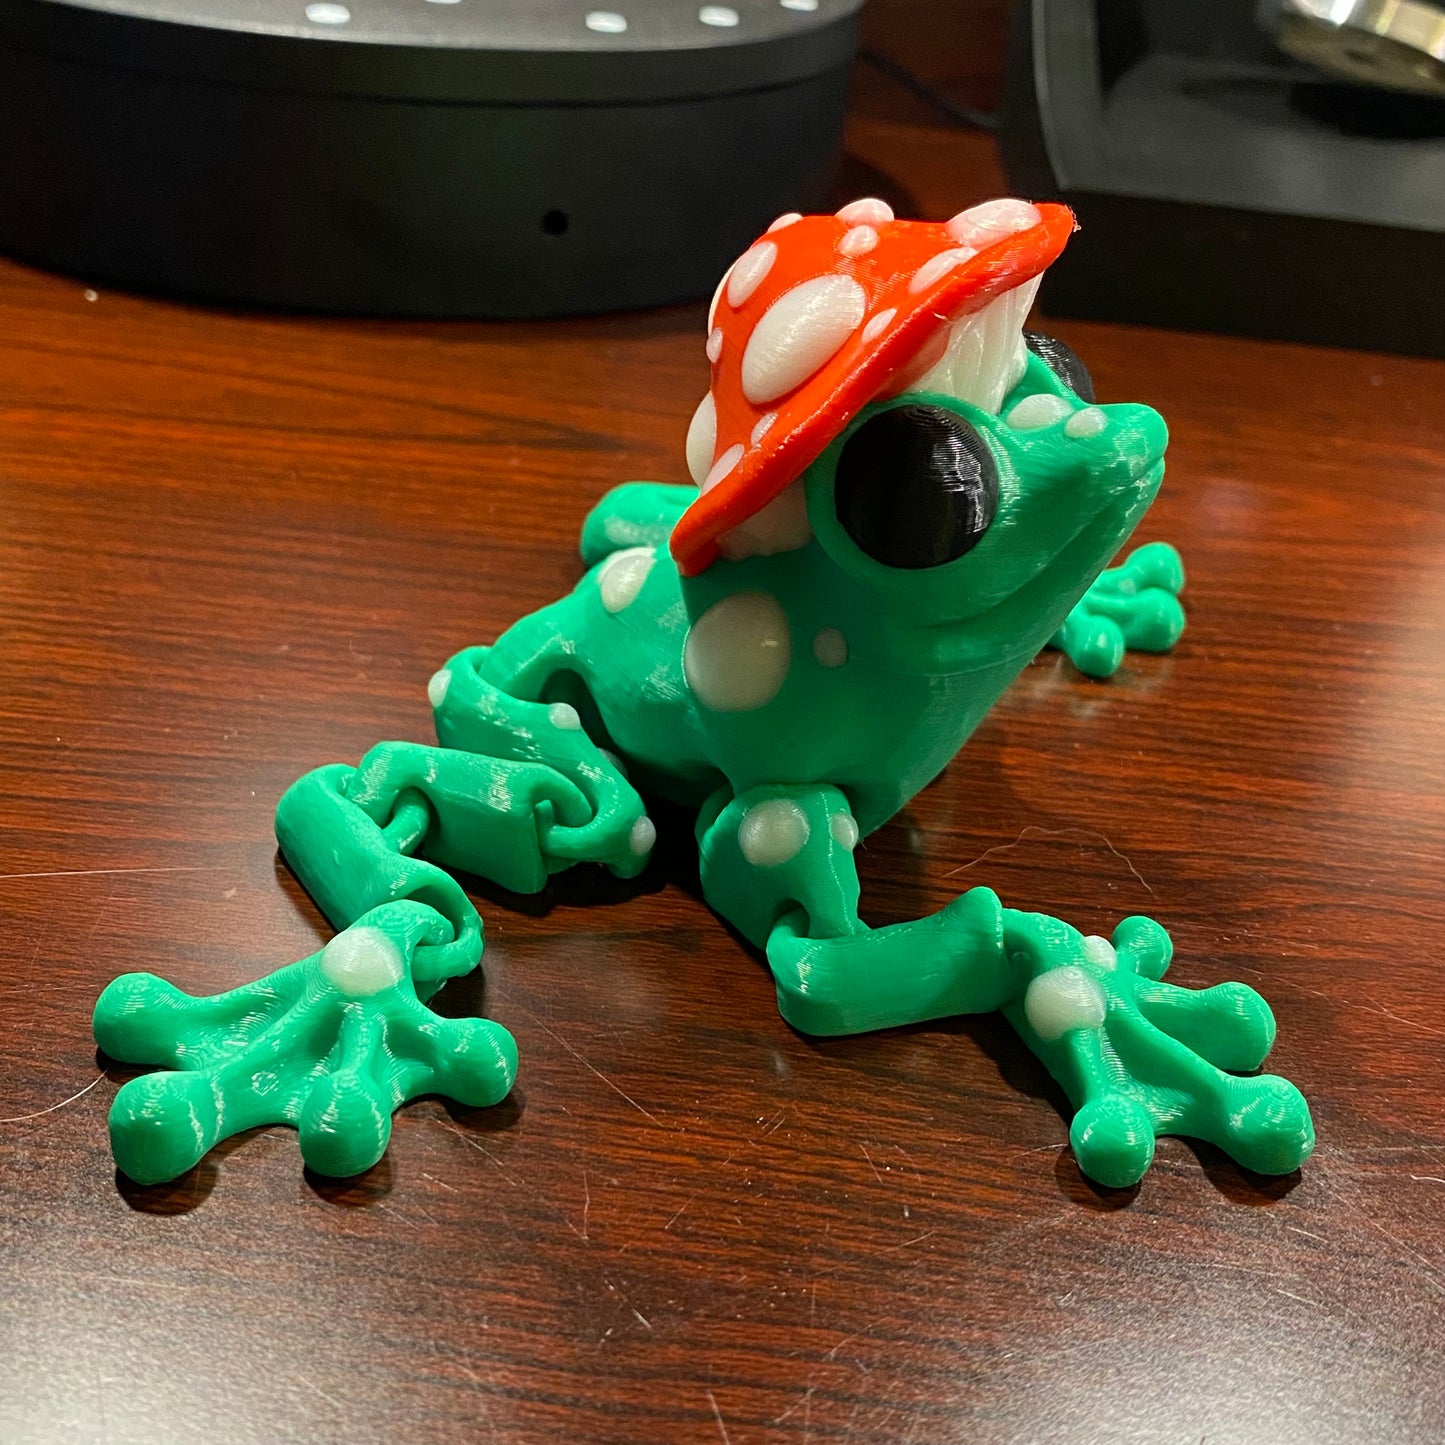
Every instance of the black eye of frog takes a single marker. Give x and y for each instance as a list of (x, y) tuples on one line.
[(916, 486), (1064, 364)]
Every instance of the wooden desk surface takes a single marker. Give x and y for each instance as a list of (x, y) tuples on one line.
[(234, 547)]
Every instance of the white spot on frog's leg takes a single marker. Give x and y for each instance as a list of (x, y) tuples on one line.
[(722, 466), (773, 832), (622, 576), (982, 225), (1062, 1000), (937, 267), (1040, 410), (844, 830), (714, 343), (701, 439), (614, 760), (1086, 423), (830, 647), (801, 330), (749, 271), (362, 961), (870, 211), (564, 716), (858, 241), (643, 836), (436, 689), (879, 323), (737, 653), (1100, 952)]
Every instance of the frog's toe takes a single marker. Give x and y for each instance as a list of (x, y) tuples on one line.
[(1113, 1140), (1094, 643), (345, 1124), (1266, 1125), (1157, 564), (1154, 621), (161, 1125), (1229, 1025), (475, 1061), (1144, 945)]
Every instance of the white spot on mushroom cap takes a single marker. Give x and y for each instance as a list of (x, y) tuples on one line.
[(785, 220), (937, 267), (606, 22), (1087, 422), (749, 271), (714, 343), (737, 653), (327, 14), (879, 323), (723, 16), (844, 829), (622, 576), (436, 689), (773, 832), (830, 647), (1062, 1000), (800, 331), (361, 962), (869, 211), (763, 427), (724, 465), (982, 225), (798, 4), (563, 716), (701, 440), (1040, 410), (642, 836), (858, 241)]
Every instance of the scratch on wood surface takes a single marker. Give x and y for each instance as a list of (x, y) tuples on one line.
[(1036, 830), (1313, 1303), (330, 1399), (1427, 1179), (804, 1399), (40, 1113), (481, 1149), (441, 1183), (621, 1093), (871, 1164), (717, 1415), (97, 872)]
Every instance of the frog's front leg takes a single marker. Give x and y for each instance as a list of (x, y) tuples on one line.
[(1132, 605), (1136, 1056), (335, 1043)]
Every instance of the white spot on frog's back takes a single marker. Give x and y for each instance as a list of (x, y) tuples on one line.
[(737, 653), (1088, 422), (844, 829), (361, 962), (622, 576), (1062, 1000), (564, 716), (800, 331), (1100, 952), (436, 689), (830, 647), (773, 832), (1040, 410), (642, 836)]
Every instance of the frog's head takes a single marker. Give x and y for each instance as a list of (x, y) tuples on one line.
[(880, 420)]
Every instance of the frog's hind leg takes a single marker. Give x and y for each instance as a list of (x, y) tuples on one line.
[(1137, 1057), (335, 1043), (1132, 605), (636, 514)]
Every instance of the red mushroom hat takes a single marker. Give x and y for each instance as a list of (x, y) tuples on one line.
[(819, 317)]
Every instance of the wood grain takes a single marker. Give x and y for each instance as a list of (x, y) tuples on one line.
[(235, 546)]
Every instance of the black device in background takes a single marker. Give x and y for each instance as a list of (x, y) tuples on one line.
[(1244, 168), (415, 157)]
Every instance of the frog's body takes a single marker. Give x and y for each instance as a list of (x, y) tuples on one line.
[(795, 692)]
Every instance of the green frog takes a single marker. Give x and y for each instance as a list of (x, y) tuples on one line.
[(900, 496)]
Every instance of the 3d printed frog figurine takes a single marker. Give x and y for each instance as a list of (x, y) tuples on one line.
[(903, 497)]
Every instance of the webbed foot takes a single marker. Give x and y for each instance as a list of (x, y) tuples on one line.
[(332, 1045), (1139, 1057), (1134, 605)]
